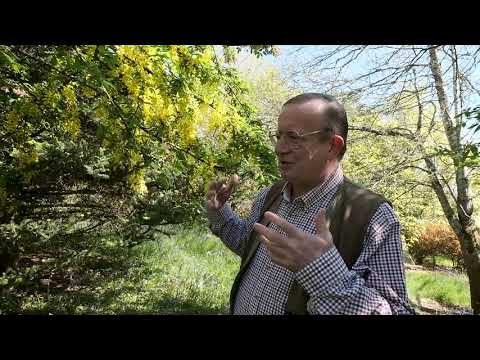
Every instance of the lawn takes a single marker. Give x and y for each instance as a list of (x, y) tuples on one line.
[(450, 290), (187, 273)]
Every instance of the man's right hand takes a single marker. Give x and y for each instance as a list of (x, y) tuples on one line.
[(219, 192)]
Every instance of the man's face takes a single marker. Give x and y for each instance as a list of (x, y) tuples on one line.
[(302, 160)]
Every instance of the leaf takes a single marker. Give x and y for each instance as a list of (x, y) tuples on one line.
[(107, 84), (472, 126)]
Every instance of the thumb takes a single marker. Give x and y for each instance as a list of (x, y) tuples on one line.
[(232, 182), (321, 223)]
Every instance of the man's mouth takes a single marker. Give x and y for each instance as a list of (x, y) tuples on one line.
[(285, 164)]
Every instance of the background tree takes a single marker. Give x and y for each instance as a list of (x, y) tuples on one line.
[(119, 138)]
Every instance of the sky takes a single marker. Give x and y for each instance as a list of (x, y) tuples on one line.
[(289, 58)]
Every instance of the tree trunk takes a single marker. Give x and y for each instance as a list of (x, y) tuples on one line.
[(462, 220), (472, 264)]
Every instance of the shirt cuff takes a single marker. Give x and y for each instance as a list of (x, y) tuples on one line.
[(220, 216), (324, 272)]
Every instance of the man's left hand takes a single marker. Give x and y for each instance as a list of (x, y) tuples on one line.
[(298, 248)]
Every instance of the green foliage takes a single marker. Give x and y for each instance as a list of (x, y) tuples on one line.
[(108, 145), (230, 53), (468, 154), (51, 271), (269, 90), (473, 113), (390, 166), (450, 290), (123, 136), (190, 272)]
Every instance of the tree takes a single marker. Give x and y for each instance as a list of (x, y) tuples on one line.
[(388, 165), (120, 137), (267, 93), (435, 84)]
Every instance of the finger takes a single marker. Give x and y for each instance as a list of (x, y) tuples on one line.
[(321, 223), (272, 236), (271, 245), (212, 185), (230, 184), (235, 179), (290, 229), (211, 194), (223, 188), (223, 194), (263, 239), (276, 253), (220, 184), (215, 185), (212, 202)]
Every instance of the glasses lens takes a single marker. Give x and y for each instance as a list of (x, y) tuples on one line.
[(289, 136), (293, 137)]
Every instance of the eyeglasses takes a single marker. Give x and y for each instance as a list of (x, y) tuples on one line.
[(296, 139)]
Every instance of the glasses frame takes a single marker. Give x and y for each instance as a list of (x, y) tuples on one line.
[(299, 136)]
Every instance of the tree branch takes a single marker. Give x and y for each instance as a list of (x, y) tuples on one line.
[(384, 132)]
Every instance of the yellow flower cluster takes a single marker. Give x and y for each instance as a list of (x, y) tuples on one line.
[(217, 117), (72, 125), (25, 156), (12, 118), (135, 69), (156, 107), (137, 182), (135, 158), (72, 121)]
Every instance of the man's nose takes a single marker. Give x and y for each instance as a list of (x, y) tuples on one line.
[(281, 147)]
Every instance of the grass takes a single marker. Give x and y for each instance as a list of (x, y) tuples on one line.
[(188, 273), (449, 290), (439, 261), (443, 261)]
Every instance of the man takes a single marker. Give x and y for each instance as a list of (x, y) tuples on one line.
[(315, 243)]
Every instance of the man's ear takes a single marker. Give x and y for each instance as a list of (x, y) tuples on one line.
[(336, 145)]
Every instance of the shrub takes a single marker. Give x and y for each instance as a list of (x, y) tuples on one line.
[(437, 239)]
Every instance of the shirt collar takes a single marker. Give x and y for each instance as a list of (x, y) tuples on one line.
[(319, 192)]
